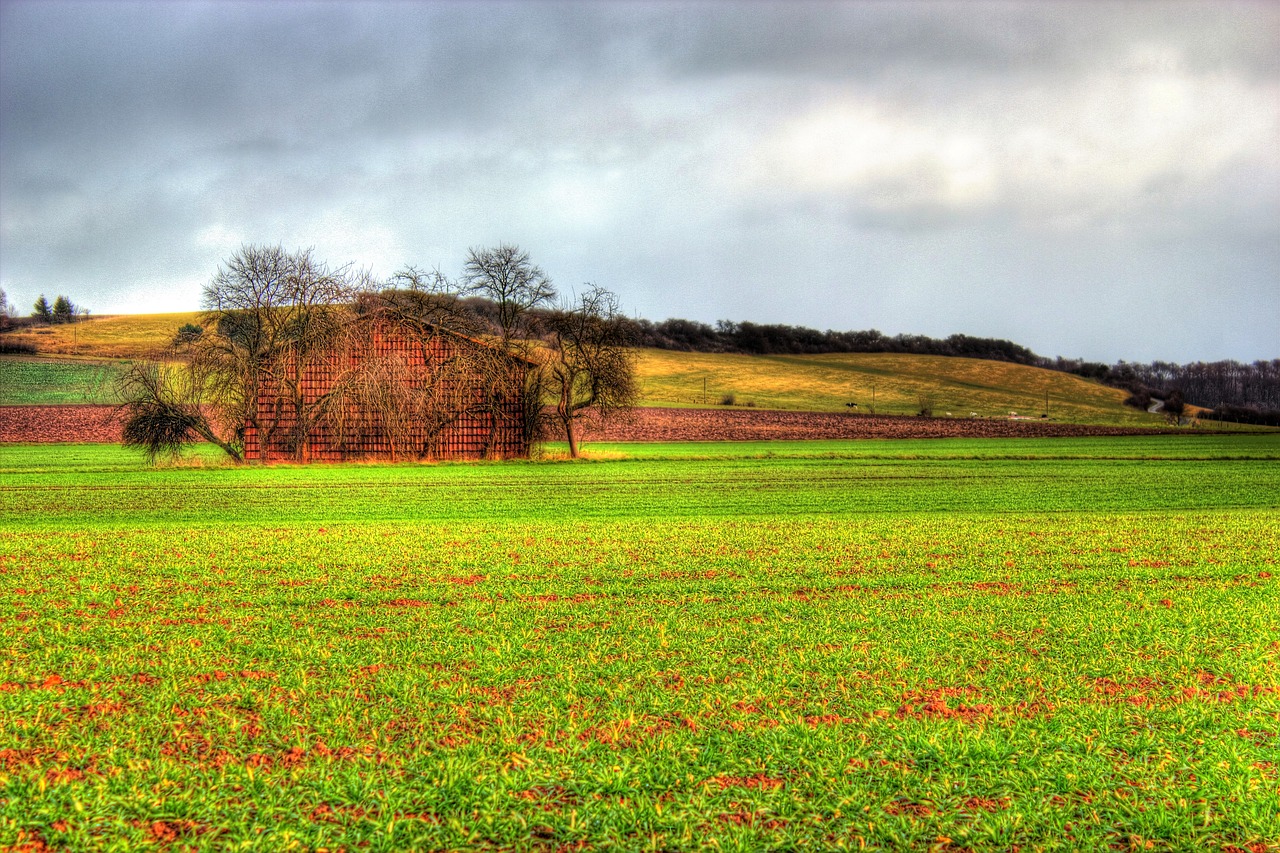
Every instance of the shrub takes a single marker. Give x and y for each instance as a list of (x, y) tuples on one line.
[(188, 333)]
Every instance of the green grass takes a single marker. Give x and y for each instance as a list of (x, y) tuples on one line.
[(1054, 645), (45, 381)]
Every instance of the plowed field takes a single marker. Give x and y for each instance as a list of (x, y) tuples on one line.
[(45, 424), (42, 424)]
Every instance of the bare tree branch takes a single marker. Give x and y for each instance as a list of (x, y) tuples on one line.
[(590, 367)]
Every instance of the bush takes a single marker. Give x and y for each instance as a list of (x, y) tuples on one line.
[(728, 400), (188, 333), (1139, 399)]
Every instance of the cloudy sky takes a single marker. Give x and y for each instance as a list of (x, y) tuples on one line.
[(1086, 178)]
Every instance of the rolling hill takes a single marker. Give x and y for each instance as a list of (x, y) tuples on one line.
[(883, 383)]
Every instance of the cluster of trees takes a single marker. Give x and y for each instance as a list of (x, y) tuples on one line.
[(63, 310), (776, 339), (1243, 393), (269, 315)]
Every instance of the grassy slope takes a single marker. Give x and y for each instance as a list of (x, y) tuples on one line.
[(809, 383), (743, 653), (894, 382), (121, 336)]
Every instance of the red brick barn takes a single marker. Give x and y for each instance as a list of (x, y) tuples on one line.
[(387, 391)]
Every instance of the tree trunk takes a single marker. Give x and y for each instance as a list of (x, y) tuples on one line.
[(573, 439), (207, 433)]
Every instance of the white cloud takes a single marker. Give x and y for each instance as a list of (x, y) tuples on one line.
[(1058, 154)]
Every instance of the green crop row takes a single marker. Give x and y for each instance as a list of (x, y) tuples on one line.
[(25, 381), (731, 647)]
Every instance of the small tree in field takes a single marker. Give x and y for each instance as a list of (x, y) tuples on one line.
[(164, 409), (41, 310), (1174, 408), (590, 367)]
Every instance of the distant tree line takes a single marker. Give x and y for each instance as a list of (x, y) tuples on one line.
[(776, 339)]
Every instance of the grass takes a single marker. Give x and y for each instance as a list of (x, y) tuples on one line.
[(114, 337), (26, 381), (1048, 644), (888, 383)]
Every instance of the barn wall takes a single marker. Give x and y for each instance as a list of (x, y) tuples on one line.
[(470, 436)]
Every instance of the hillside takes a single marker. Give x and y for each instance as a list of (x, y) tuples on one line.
[(119, 336), (888, 383)]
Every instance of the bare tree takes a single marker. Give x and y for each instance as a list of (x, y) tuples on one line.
[(515, 284), (268, 316), (410, 402), (590, 361), (275, 313), (164, 407)]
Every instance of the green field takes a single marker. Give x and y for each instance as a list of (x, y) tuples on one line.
[(47, 381), (1067, 644)]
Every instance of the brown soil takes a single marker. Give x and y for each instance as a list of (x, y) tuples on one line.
[(47, 424), (764, 425)]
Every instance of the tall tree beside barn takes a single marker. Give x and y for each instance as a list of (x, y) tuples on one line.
[(268, 314), (520, 291), (590, 367), (275, 313), (516, 285)]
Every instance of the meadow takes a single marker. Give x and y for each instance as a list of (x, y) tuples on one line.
[(987, 645), (884, 383), (47, 381)]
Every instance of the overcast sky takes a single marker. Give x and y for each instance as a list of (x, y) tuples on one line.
[(1087, 179)]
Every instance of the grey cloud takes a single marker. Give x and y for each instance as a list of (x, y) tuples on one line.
[(607, 137)]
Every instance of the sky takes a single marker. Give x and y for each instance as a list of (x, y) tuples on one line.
[(1088, 179)]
